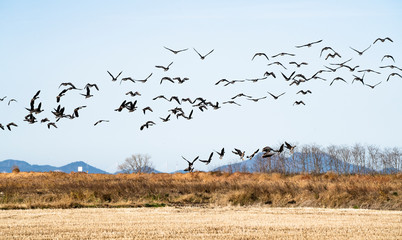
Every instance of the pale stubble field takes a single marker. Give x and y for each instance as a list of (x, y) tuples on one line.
[(200, 223)]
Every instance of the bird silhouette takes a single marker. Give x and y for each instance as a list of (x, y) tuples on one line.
[(298, 103), (208, 160), (304, 92), (277, 63), (337, 79), (290, 147), (2, 99), (114, 78), (203, 56), (298, 64), (288, 78), (260, 54), (144, 80), (190, 164), (252, 155), (326, 48), (309, 44), (147, 108), (360, 52), (100, 121), (382, 40), (147, 125), (372, 86), (333, 55), (388, 56), (166, 79), (164, 68), (133, 94), (51, 124), (11, 100), (267, 74), (394, 74), (276, 97), (176, 51), (10, 125), (166, 119), (283, 54), (239, 152), (221, 153), (76, 110)]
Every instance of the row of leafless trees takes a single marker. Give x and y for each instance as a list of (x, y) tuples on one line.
[(317, 159)]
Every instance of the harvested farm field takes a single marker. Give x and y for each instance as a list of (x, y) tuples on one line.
[(200, 223)]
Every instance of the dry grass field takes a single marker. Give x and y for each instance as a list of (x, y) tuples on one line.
[(61, 190), (200, 223)]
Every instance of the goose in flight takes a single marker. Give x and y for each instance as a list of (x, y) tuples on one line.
[(133, 94), (144, 80), (181, 80), (176, 51), (252, 155), (256, 99), (298, 64), (394, 74), (61, 94), (122, 106), (388, 56), (267, 74), (277, 63), (176, 98), (114, 78), (164, 68), (231, 102), (166, 79), (100, 121), (147, 125), (268, 154), (88, 93), (2, 99), (283, 54), (360, 52), (239, 152), (1, 126), (166, 119), (221, 153), (309, 44), (288, 78), (11, 124), (326, 48), (127, 79), (372, 86), (298, 103), (76, 110), (337, 79), (222, 80), (369, 70), (147, 108), (69, 84), (131, 106), (233, 82), (360, 79), (208, 160), (201, 56), (333, 55), (51, 124), (11, 100), (256, 79), (304, 92), (160, 96), (276, 97), (280, 150), (44, 120), (290, 147), (352, 69), (268, 149), (391, 66), (260, 54), (190, 164), (383, 39)]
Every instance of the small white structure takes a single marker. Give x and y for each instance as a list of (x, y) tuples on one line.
[(79, 169)]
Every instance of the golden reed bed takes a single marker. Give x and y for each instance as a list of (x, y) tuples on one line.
[(60, 190)]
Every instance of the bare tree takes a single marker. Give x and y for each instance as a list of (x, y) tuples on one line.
[(317, 156), (137, 163), (345, 154), (374, 154), (359, 158), (334, 162)]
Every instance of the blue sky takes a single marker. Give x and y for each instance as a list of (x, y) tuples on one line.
[(45, 43)]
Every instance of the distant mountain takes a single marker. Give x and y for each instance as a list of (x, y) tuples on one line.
[(7, 165)]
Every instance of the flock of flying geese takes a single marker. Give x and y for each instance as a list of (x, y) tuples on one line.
[(294, 78)]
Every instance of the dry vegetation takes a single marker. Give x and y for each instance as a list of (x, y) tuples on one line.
[(200, 223), (60, 190)]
